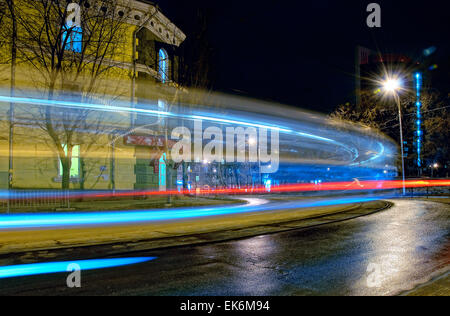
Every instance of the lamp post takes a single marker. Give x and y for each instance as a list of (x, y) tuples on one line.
[(11, 7), (434, 167), (392, 85)]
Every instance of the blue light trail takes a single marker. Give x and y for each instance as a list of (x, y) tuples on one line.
[(60, 267), (210, 118), (108, 218)]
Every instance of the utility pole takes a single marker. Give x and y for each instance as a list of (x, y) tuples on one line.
[(11, 105), (392, 85), (397, 98)]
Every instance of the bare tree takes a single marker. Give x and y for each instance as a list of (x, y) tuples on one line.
[(70, 50), (382, 115)]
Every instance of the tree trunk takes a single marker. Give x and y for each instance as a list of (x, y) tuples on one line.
[(66, 165), (83, 174)]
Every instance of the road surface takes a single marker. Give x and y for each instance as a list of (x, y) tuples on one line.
[(382, 254)]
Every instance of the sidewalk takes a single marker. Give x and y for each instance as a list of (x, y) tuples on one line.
[(123, 238)]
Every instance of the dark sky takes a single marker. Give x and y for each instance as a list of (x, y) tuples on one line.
[(302, 52)]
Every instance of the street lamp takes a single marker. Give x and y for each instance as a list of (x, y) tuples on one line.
[(392, 86), (434, 167)]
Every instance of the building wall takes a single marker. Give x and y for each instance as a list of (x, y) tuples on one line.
[(37, 166), (36, 162)]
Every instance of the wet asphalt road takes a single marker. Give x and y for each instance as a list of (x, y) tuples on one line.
[(381, 254)]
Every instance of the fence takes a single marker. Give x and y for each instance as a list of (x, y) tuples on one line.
[(21, 199), (425, 192)]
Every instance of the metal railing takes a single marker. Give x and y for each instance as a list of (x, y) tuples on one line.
[(427, 192), (26, 199)]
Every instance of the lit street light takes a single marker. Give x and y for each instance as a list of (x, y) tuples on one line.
[(433, 167), (392, 86)]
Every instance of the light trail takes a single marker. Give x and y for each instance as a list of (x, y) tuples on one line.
[(286, 188), (112, 108), (165, 114), (106, 218), (60, 267), (8, 222), (351, 153)]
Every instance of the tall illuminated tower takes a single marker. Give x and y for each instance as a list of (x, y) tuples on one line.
[(418, 79)]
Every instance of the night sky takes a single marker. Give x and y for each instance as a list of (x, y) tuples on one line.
[(302, 52)]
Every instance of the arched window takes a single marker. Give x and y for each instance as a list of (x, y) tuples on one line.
[(163, 65)]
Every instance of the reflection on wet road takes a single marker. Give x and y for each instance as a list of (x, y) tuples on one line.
[(382, 254)]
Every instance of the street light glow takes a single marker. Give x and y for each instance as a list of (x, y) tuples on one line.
[(392, 85)]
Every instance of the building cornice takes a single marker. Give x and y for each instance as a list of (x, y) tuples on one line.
[(146, 15)]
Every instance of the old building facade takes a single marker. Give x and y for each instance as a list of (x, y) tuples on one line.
[(103, 148)]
